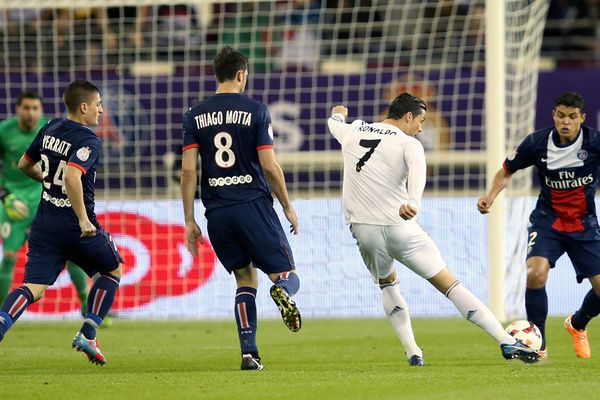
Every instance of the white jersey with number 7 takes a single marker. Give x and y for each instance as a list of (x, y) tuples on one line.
[(383, 169)]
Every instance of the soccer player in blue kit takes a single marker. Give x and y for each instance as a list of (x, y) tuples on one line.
[(567, 157), (233, 136), (65, 226)]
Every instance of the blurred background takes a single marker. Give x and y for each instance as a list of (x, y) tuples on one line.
[(153, 60)]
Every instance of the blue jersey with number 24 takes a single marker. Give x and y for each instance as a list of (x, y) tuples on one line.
[(59, 143)]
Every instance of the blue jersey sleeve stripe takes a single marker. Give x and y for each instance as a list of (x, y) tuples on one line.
[(266, 146), (72, 164), (506, 168)]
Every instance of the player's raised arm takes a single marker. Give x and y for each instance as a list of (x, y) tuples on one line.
[(498, 184), (274, 175), (337, 121), (189, 181)]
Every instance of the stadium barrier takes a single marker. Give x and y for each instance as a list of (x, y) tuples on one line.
[(162, 280)]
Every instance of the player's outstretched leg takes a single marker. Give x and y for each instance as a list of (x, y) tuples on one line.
[(282, 291), (521, 351), (13, 307), (476, 312), (396, 309), (100, 299)]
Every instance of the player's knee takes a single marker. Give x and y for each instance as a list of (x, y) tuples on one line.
[(116, 273), (246, 276), (38, 291), (536, 278)]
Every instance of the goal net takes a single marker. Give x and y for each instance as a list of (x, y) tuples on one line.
[(153, 59)]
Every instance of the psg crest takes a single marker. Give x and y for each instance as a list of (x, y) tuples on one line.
[(582, 154)]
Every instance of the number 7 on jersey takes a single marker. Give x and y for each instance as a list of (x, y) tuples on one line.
[(370, 144)]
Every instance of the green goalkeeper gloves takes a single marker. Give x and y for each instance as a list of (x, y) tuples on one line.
[(15, 208)]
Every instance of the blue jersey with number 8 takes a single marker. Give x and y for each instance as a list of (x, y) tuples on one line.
[(229, 129)]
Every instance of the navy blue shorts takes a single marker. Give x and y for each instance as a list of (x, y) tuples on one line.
[(249, 233), (583, 248), (48, 253)]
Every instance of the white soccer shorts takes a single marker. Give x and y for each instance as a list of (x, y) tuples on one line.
[(408, 243)]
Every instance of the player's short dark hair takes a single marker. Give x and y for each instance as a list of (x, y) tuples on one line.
[(404, 103), (28, 94), (227, 64), (78, 92), (570, 99)]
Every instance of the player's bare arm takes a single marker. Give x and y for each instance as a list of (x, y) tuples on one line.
[(75, 194), (189, 180), (340, 110), (274, 175), (498, 184), (31, 169)]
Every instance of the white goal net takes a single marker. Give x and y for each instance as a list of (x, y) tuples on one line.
[(153, 59)]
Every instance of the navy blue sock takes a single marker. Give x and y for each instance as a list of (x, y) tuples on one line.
[(15, 303), (289, 281), (588, 310), (536, 304), (100, 299), (245, 316)]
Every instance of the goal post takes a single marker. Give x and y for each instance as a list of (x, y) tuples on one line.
[(495, 111)]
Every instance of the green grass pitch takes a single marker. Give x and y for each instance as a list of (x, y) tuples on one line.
[(327, 359)]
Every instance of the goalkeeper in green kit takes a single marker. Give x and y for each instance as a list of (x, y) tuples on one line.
[(20, 194)]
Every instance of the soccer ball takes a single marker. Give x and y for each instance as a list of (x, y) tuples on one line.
[(527, 332)]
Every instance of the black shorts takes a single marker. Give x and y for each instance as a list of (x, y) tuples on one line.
[(247, 233), (49, 252), (583, 248)]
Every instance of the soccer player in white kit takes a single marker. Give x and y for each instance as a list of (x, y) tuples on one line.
[(384, 179)]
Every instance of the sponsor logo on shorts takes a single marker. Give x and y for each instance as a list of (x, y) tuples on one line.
[(230, 180)]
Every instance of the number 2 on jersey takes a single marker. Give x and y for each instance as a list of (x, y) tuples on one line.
[(370, 144), (224, 157)]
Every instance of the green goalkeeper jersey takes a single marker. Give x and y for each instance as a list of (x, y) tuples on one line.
[(13, 143)]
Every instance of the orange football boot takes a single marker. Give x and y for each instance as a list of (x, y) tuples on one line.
[(581, 345)]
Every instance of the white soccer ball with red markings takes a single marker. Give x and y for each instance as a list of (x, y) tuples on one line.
[(527, 332)]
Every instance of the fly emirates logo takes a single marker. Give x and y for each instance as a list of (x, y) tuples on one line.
[(567, 180)]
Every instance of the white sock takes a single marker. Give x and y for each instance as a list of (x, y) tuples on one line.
[(475, 311), (396, 310)]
